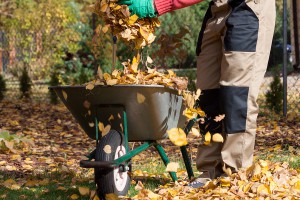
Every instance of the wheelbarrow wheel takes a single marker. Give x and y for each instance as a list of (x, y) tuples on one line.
[(116, 180)]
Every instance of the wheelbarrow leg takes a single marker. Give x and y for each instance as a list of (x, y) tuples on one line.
[(187, 162), (184, 152), (165, 159)]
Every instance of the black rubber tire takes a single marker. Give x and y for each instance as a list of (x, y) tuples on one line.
[(105, 178)]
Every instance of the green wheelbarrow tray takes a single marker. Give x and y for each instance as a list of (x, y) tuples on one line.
[(151, 109)]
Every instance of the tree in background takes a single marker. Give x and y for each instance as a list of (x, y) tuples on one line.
[(41, 32)]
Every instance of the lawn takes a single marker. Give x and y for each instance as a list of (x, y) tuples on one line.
[(50, 169)]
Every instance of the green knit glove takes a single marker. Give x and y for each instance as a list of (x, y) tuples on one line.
[(142, 8)]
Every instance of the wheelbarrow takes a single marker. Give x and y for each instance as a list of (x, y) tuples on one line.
[(141, 113)]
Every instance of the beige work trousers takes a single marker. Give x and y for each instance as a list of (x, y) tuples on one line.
[(233, 46)]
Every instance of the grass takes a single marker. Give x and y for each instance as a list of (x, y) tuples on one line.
[(60, 186)]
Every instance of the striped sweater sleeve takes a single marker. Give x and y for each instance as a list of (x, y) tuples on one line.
[(164, 6)]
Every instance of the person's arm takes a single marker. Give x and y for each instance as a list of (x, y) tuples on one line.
[(164, 6)]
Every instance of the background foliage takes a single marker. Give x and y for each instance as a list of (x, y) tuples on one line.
[(59, 34)]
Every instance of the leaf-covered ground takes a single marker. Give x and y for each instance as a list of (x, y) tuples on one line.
[(59, 145)]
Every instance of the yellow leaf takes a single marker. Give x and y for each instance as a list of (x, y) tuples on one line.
[(107, 149), (189, 113), (106, 76), (101, 126), (263, 190), (297, 185), (217, 137), (207, 138), (84, 191), (74, 196), (171, 72), (172, 167), (140, 98), (111, 117), (133, 19), (106, 130), (177, 136), (135, 64), (65, 95), (225, 182), (3, 162)]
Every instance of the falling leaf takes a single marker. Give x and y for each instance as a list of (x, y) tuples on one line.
[(198, 93), (172, 167), (107, 149), (65, 95), (207, 138), (111, 117), (195, 132), (219, 118), (101, 126), (140, 98), (84, 191), (177, 136), (106, 130), (217, 137), (149, 60)]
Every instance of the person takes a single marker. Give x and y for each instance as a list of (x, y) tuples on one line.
[(232, 55)]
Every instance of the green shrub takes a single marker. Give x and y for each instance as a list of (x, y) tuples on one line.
[(12, 142), (25, 83), (274, 97), (2, 87)]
